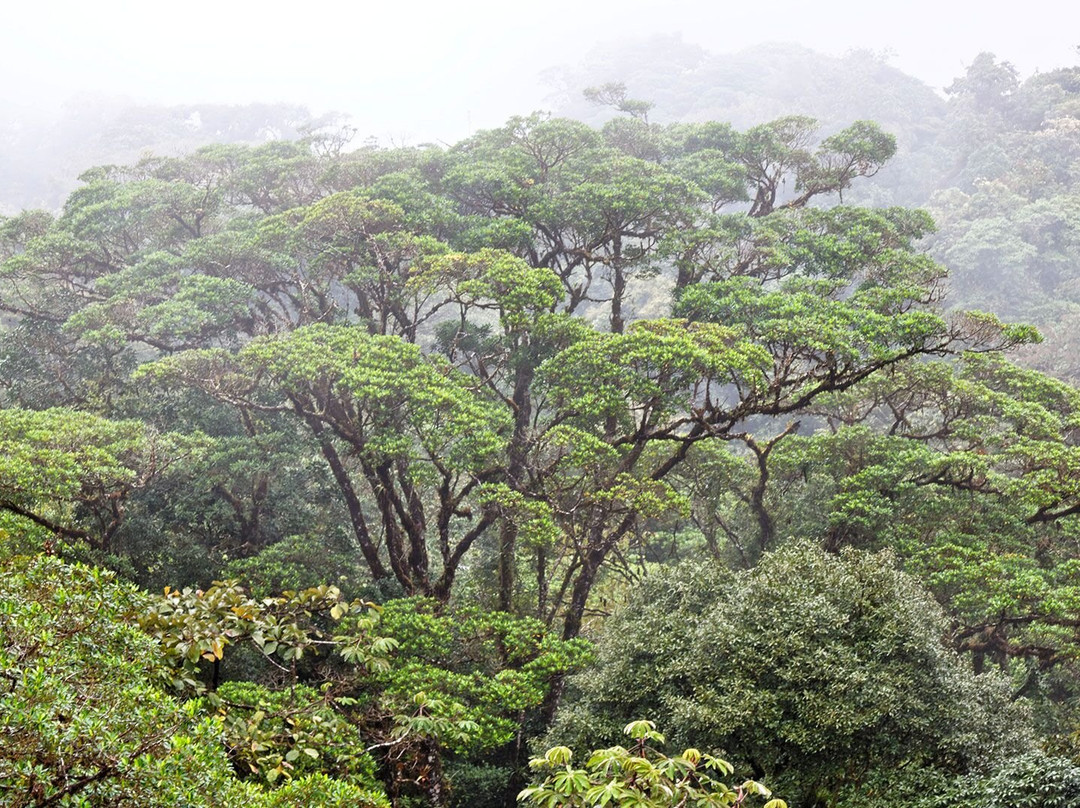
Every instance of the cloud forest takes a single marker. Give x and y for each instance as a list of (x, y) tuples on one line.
[(693, 445)]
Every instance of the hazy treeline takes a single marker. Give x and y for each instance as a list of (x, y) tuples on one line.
[(43, 152), (994, 160)]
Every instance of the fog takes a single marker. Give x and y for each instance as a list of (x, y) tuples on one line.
[(407, 72)]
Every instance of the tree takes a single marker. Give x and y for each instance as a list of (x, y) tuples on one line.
[(397, 411), (815, 671), (86, 718), (965, 470), (83, 719), (72, 473), (613, 94)]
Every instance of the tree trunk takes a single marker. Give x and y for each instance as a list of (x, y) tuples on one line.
[(515, 472)]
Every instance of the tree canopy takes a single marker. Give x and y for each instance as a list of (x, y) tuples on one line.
[(404, 433)]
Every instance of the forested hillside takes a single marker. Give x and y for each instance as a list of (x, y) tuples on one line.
[(43, 152), (361, 477), (995, 161)]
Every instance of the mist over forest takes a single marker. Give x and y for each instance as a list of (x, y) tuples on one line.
[(706, 434)]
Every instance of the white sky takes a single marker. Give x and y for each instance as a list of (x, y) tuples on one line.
[(428, 70)]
